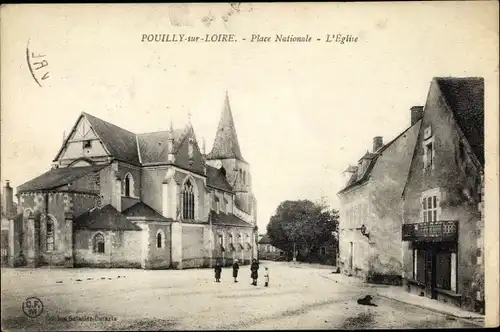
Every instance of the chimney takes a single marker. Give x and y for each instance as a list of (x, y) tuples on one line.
[(417, 113), (7, 199), (377, 143)]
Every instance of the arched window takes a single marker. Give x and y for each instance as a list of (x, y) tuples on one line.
[(159, 239), (188, 201), (244, 177), (50, 234), (128, 185), (98, 244)]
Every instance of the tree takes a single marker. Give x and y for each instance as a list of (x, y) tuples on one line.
[(303, 223)]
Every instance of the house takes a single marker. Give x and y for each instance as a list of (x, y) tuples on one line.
[(267, 251), (370, 213), (443, 230), (154, 200)]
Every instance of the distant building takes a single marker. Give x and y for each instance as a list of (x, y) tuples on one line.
[(152, 200), (267, 251), (370, 212), (443, 217)]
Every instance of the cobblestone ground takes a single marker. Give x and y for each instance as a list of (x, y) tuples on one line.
[(298, 298)]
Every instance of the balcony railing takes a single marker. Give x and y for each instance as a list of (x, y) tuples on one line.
[(437, 231)]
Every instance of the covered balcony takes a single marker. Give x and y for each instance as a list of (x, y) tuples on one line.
[(437, 231)]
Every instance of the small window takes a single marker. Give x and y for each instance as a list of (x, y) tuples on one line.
[(429, 154), (159, 240), (50, 235), (99, 244), (87, 144)]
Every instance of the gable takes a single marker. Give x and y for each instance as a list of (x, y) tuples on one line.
[(182, 158), (82, 142)]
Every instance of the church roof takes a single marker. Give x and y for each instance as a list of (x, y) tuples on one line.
[(227, 219), (153, 147), (226, 145), (119, 142), (141, 209), (216, 179), (105, 218), (57, 177), (465, 97)]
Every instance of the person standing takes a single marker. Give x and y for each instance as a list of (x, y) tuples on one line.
[(266, 276), (236, 267), (254, 275), (218, 270)]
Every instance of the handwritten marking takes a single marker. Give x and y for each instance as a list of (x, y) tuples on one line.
[(35, 66)]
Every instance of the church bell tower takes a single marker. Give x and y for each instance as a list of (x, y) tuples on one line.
[(226, 155)]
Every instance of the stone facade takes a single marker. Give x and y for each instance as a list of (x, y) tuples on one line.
[(445, 189), (153, 201), (370, 214)]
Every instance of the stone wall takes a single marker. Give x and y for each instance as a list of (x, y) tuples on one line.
[(458, 182), (122, 249)]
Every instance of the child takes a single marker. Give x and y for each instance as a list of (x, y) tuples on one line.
[(236, 267), (218, 270), (266, 276)]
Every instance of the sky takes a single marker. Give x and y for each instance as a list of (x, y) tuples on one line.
[(303, 111)]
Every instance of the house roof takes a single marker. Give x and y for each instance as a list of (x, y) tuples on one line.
[(216, 179), (354, 181), (141, 209), (227, 219), (120, 143), (465, 97), (105, 218), (265, 240), (369, 155), (57, 177), (153, 147), (226, 145), (351, 169)]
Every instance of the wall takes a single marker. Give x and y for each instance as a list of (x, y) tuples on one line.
[(243, 255), (122, 249), (152, 190), (387, 182), (52, 206), (194, 253), (449, 175), (354, 211), (152, 256)]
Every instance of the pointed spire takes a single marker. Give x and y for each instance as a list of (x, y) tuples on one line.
[(226, 143)]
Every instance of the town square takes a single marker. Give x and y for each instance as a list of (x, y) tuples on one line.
[(249, 167)]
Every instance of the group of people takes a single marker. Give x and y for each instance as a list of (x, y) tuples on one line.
[(254, 268)]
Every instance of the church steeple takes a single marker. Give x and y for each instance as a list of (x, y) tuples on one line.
[(226, 145)]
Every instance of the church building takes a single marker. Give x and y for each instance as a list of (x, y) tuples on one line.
[(114, 198)]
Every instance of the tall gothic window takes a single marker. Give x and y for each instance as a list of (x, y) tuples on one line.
[(188, 201)]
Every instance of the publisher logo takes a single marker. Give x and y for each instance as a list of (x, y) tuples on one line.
[(32, 307)]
